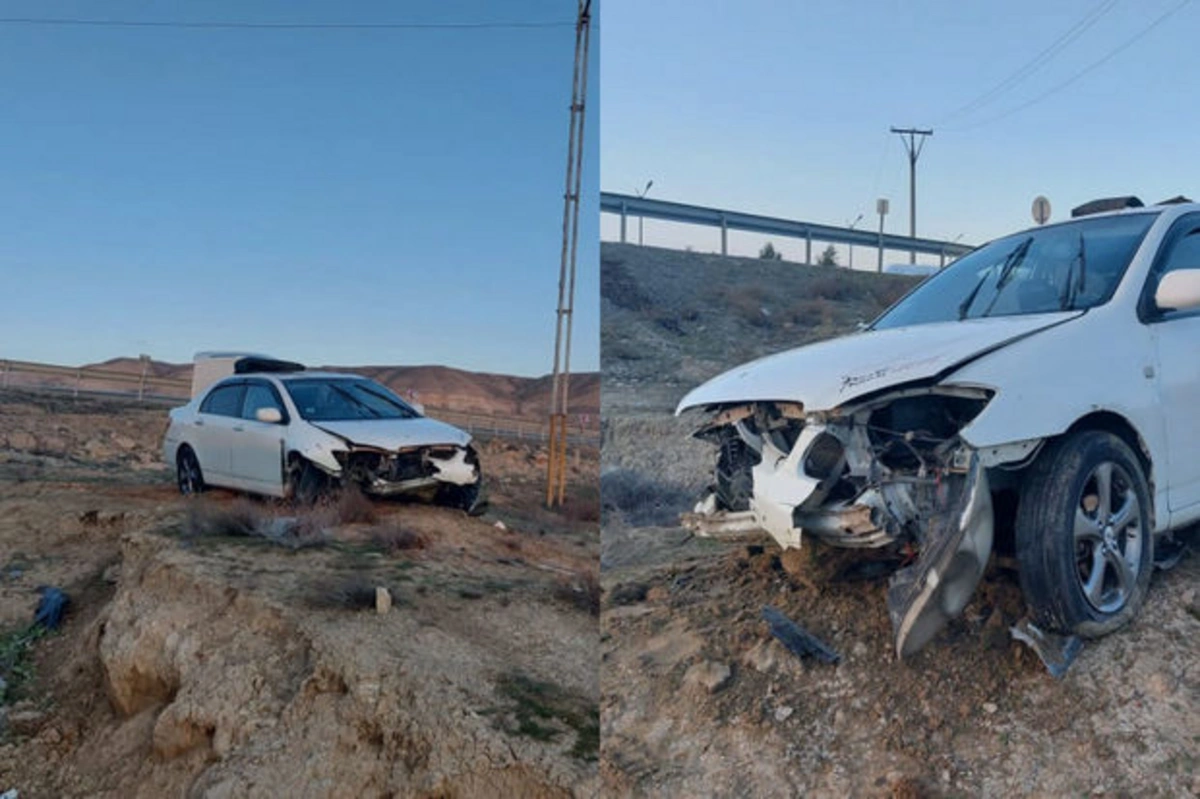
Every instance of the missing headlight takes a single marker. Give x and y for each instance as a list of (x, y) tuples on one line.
[(824, 456)]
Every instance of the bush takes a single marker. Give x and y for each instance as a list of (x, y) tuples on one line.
[(351, 593), (392, 538), (354, 508), (581, 590), (642, 501)]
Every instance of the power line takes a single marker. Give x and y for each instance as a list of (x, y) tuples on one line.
[(1099, 62), (1039, 60), (230, 25)]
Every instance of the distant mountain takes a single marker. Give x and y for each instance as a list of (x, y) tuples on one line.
[(435, 386)]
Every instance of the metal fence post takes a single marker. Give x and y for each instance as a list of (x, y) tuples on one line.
[(623, 221), (724, 236), (808, 247)]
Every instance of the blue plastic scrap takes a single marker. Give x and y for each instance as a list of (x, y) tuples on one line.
[(51, 607), (798, 641)]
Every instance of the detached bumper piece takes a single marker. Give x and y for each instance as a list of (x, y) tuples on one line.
[(923, 597)]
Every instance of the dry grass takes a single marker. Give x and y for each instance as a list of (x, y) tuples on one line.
[(643, 501), (581, 590), (244, 518), (392, 538), (348, 593), (354, 508)]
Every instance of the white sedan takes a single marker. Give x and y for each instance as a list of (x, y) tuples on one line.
[(1040, 397), (293, 433)]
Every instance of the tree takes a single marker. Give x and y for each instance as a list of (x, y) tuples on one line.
[(769, 252), (828, 257)]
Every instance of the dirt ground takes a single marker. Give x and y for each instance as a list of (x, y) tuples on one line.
[(699, 699), (211, 664)]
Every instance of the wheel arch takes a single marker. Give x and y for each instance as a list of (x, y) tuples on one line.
[(1122, 428)]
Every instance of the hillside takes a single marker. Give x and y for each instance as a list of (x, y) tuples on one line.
[(441, 387), (673, 319)]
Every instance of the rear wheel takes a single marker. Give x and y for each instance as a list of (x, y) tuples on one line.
[(188, 476), (1084, 535)]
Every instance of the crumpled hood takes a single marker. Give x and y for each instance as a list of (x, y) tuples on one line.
[(827, 374), (396, 433)]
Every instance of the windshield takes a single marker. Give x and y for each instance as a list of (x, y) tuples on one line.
[(1058, 268), (338, 399)]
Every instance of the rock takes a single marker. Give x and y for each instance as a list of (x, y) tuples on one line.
[(22, 440), (794, 561), (859, 649), (762, 657), (1158, 685), (26, 722), (990, 708), (708, 675), (383, 600), (783, 712), (657, 593), (500, 526)]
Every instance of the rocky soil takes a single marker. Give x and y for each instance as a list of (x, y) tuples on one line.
[(699, 699), (214, 664)]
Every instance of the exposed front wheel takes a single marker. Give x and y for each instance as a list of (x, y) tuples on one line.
[(1084, 535), (306, 483), (734, 479), (188, 476)]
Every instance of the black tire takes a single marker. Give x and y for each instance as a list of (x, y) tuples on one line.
[(1084, 566), (307, 484), (735, 482), (188, 476)]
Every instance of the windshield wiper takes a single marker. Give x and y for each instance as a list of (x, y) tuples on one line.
[(1011, 261), (1074, 287), (355, 399)]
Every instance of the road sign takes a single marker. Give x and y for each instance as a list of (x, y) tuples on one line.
[(1041, 209), (881, 206)]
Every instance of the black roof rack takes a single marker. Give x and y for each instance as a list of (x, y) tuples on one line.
[(1176, 200), (1106, 204), (252, 364)]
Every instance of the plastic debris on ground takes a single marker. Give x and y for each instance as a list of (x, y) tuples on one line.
[(1057, 652), (51, 609), (796, 639)]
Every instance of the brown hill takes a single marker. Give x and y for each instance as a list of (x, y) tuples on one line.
[(441, 387)]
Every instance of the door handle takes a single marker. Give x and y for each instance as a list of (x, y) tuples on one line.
[(238, 428), (199, 423)]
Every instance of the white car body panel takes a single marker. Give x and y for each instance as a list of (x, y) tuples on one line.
[(397, 433), (830, 373)]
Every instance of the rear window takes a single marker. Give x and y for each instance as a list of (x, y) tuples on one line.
[(224, 401)]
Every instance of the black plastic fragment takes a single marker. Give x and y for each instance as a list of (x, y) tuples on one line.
[(798, 641), (51, 608), (1057, 652)]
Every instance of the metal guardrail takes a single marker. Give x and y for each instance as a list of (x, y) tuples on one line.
[(626, 205), (169, 391)]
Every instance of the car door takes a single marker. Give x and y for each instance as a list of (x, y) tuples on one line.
[(257, 452), (213, 432), (1176, 337)]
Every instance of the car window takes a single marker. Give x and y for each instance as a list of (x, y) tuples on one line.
[(1180, 250), (1068, 266), (224, 401), (259, 395), (344, 399)]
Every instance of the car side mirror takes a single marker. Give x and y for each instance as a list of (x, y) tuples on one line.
[(1179, 290), (268, 415)]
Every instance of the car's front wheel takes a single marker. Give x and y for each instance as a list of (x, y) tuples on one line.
[(1084, 535), (188, 476)]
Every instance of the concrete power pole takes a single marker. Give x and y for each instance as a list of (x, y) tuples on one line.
[(556, 468), (914, 147)]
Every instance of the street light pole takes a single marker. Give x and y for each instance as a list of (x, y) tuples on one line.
[(850, 226), (643, 193)]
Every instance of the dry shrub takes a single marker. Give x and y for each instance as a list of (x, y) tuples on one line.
[(746, 302), (581, 590), (240, 519), (354, 508), (348, 593), (836, 286), (643, 501), (392, 538)]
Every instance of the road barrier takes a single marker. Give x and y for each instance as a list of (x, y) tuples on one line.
[(82, 382)]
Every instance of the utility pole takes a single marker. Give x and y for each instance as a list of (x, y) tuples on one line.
[(914, 147), (556, 465)]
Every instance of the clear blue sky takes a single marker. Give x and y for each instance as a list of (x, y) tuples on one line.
[(784, 108), (332, 196)]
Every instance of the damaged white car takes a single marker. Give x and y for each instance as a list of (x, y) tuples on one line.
[(1039, 397), (274, 428)]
